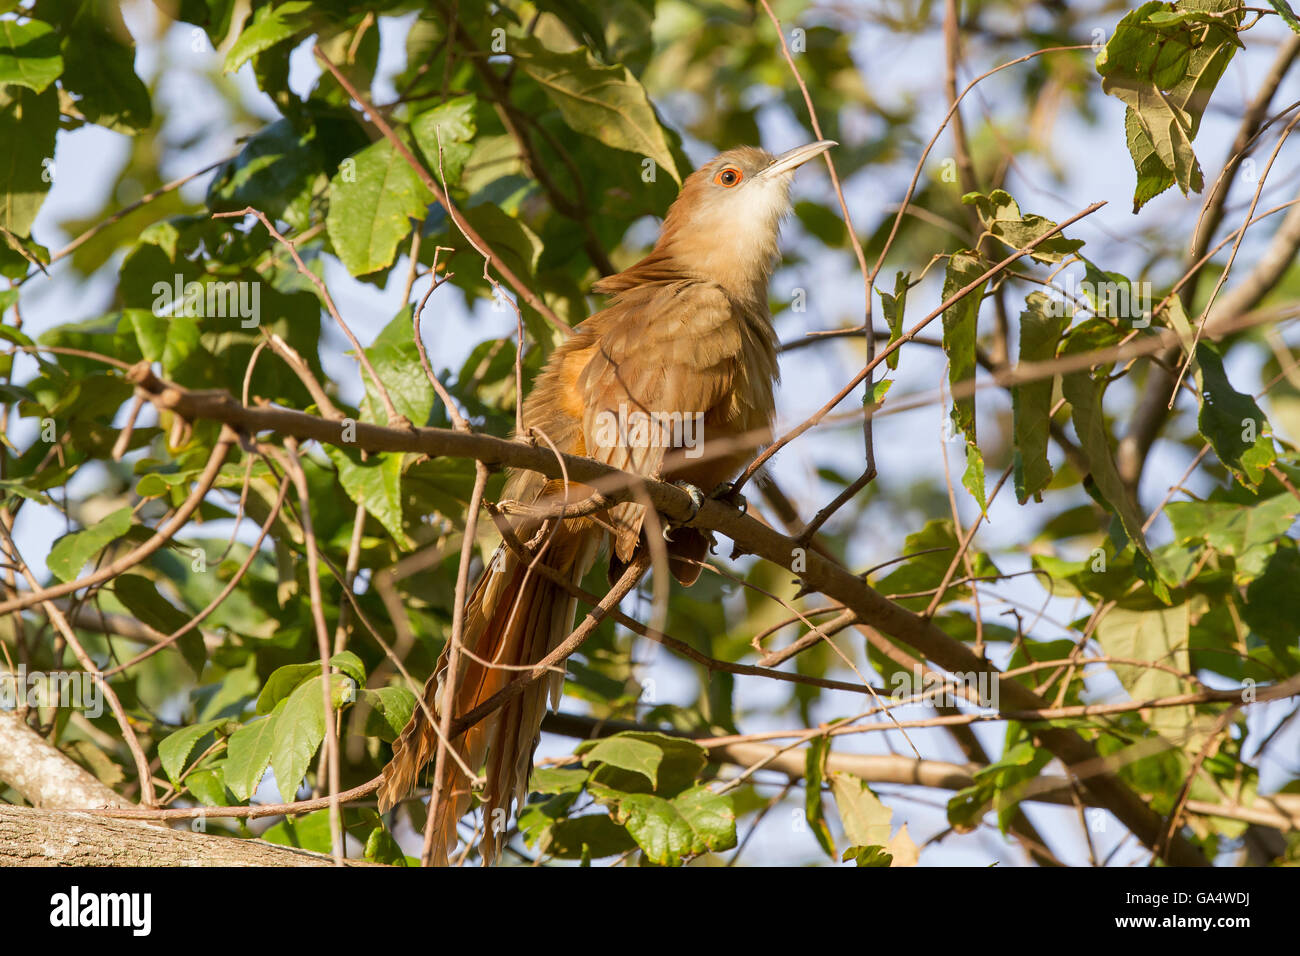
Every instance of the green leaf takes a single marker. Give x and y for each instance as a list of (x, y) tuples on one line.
[(375, 483), (99, 66), (390, 709), (381, 847), (555, 780), (300, 730), (1232, 422), (71, 552), (1165, 68), (279, 167), (287, 679), (627, 753), (892, 306), (814, 775), (1041, 325), (450, 125), (174, 749), (374, 197), (1161, 637), (960, 327), (998, 784), (207, 785), (670, 832), (396, 359), (932, 550), (29, 54), (1273, 601), (1001, 215), (140, 596), (167, 339), (625, 761), (349, 664), (868, 856), (1286, 13), (283, 682), (865, 818), (248, 753), (1084, 391), (28, 123), (606, 103), (310, 832), (821, 222), (1248, 532), (269, 25)]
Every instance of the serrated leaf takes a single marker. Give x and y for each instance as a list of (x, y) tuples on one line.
[(248, 754), (627, 753), (373, 199), (1164, 68), (1159, 636), (606, 103), (300, 730), (396, 359), (625, 763), (865, 818), (671, 832), (450, 125), (1001, 216), (174, 749)]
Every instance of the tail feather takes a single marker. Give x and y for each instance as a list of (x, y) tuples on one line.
[(513, 619)]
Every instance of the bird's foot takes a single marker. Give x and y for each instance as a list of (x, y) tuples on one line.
[(697, 497), (727, 494)]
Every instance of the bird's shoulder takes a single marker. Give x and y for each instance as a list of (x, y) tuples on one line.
[(660, 310)]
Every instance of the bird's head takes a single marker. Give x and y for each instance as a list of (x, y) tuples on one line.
[(723, 226)]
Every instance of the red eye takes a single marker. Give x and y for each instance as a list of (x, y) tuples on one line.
[(729, 177)]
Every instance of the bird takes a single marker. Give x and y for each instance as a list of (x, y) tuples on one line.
[(683, 358)]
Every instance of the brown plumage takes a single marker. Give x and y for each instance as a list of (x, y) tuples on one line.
[(686, 336)]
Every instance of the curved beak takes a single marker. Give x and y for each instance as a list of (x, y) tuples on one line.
[(794, 158)]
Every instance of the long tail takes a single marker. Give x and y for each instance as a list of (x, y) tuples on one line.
[(513, 619)]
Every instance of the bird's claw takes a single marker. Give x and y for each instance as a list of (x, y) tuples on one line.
[(727, 493), (697, 499)]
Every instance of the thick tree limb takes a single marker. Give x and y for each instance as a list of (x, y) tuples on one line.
[(43, 774), (30, 837), (750, 536)]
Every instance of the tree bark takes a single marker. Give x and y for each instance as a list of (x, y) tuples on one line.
[(30, 837), (43, 774)]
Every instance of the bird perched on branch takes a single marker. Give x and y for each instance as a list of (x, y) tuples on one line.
[(673, 380)]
